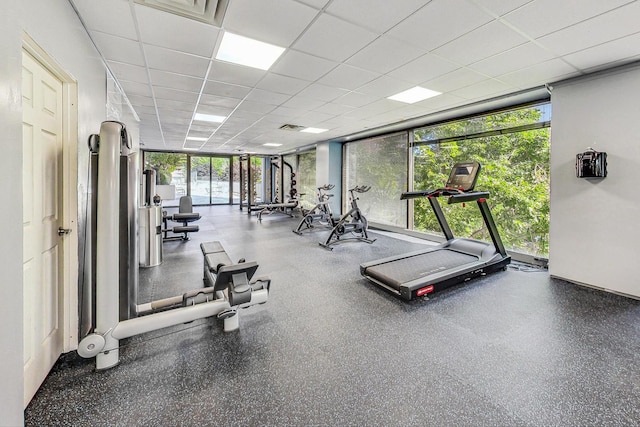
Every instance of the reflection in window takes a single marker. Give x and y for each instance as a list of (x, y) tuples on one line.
[(171, 175), (306, 178), (515, 171), (380, 163)]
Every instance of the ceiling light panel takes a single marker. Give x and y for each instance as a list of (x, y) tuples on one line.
[(313, 130), (414, 95), (248, 52), (209, 118)]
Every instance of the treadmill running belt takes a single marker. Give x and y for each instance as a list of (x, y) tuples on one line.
[(397, 272)]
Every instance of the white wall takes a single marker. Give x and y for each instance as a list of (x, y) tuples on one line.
[(55, 27), (595, 224)]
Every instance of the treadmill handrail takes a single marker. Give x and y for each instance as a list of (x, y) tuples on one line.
[(455, 195)]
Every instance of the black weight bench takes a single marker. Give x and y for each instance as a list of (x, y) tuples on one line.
[(217, 264), (184, 216)]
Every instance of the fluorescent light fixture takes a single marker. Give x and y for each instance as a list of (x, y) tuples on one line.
[(313, 130), (249, 52), (414, 95), (190, 149), (272, 144), (209, 118), (196, 138)]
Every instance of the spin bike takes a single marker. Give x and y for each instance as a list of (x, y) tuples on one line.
[(353, 223), (320, 213)]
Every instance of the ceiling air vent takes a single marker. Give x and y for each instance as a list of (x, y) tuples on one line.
[(209, 11), (294, 128)]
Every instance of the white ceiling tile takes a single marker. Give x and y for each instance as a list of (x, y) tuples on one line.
[(303, 103), (312, 118), (620, 50), (218, 101), (334, 109), (500, 7), (457, 79), (112, 17), (282, 84), (225, 90), (431, 105), (375, 108), (481, 43), (278, 22), (322, 92), (175, 105), (485, 89), (267, 97), (119, 49), (318, 4), (355, 99), (129, 72), (375, 15), (175, 95), (164, 29), (146, 101), (541, 17), (601, 29), (287, 113), (235, 74), (347, 77), (426, 67), (175, 81), (133, 88), (333, 38), (539, 74), (384, 86), (385, 54), (256, 107), (514, 59), (439, 22), (170, 112), (302, 66), (176, 62), (145, 110)]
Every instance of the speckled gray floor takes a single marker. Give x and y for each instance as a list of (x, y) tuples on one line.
[(513, 349)]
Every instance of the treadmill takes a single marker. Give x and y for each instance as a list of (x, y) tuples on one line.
[(420, 273)]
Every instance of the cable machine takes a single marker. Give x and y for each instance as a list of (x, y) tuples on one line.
[(115, 245)]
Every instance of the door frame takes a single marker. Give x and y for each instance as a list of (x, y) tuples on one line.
[(69, 185)]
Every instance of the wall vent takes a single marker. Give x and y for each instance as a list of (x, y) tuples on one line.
[(209, 11), (295, 128)]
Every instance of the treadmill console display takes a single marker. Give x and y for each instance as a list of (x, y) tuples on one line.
[(463, 176)]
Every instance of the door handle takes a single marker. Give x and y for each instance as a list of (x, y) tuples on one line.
[(64, 231)]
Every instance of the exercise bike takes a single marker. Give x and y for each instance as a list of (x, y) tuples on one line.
[(320, 213), (352, 223)]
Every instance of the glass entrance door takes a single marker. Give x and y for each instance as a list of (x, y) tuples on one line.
[(210, 180)]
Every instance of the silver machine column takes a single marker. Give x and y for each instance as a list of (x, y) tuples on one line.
[(115, 228)]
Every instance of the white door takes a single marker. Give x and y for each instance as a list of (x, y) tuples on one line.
[(42, 253)]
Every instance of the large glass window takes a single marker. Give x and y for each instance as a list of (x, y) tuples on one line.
[(210, 179), (306, 178), (204, 178), (513, 148), (380, 163), (171, 175)]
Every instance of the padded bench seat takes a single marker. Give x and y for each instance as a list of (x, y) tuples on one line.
[(211, 247), (214, 255)]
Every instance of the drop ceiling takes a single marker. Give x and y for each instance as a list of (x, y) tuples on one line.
[(343, 58)]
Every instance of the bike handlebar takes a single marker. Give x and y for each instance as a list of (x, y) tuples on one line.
[(361, 189)]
